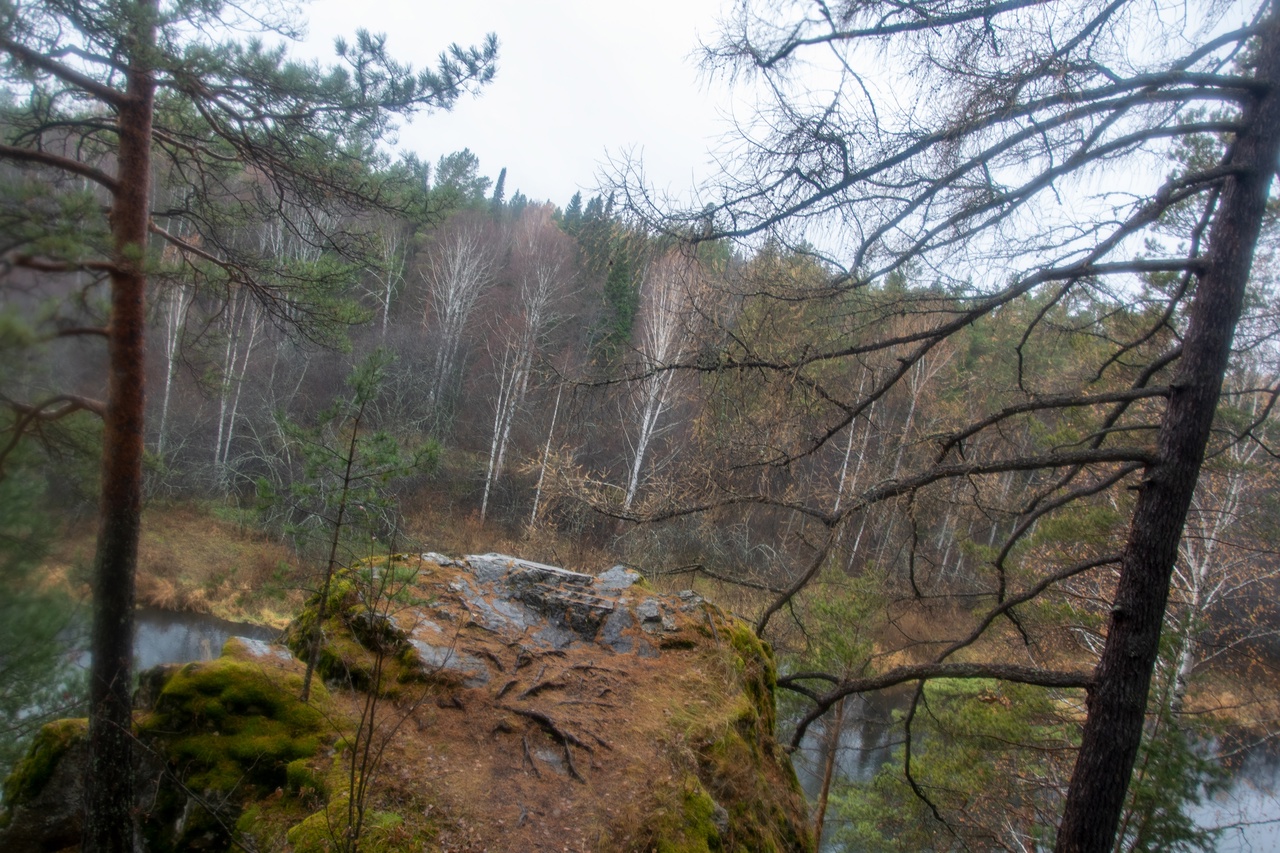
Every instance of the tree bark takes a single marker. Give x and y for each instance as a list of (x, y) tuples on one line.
[(1113, 730), (109, 825)]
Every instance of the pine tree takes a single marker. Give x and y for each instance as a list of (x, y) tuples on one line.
[(572, 219), (499, 191), (341, 500), (152, 89)]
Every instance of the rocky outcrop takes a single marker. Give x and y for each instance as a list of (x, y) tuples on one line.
[(484, 703)]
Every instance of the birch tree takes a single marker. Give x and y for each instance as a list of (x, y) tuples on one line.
[(177, 301), (542, 260), (460, 264), (391, 239), (666, 314)]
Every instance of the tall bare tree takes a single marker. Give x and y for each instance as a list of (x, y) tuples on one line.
[(1012, 154), (542, 262), (460, 264)]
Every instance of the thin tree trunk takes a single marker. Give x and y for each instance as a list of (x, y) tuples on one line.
[(255, 326), (174, 318), (109, 788), (322, 608), (501, 409), (655, 404), (546, 454), (226, 372), (828, 772), (1117, 703)]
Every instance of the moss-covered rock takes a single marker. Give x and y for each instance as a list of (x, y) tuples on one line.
[(741, 794), (236, 720), (691, 822), (360, 646), (31, 773), (231, 729), (379, 831)]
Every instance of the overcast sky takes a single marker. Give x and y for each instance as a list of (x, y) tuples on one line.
[(577, 81)]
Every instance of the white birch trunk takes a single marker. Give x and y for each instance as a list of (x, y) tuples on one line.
[(179, 300), (546, 455), (458, 270), (541, 259), (667, 292)]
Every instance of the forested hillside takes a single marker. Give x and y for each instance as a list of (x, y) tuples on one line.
[(965, 394)]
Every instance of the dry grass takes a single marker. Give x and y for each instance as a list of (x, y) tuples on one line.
[(189, 559), (435, 529)]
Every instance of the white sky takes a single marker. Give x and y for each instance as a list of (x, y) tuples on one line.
[(577, 81)]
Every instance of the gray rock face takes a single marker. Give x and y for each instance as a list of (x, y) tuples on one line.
[(473, 670), (612, 633), (617, 578), (54, 818), (649, 610), (533, 606), (549, 607)]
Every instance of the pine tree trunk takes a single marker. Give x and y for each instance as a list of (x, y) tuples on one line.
[(1113, 730), (109, 826), (828, 772)]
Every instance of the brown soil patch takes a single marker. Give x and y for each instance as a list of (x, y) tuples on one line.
[(577, 747)]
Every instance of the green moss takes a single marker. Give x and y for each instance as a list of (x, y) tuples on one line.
[(689, 824), (264, 825), (236, 733), (302, 780), (739, 763), (759, 670), (739, 793), (354, 637), (381, 832), (236, 721), (31, 773)]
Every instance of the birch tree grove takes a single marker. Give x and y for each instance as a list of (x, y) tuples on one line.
[(459, 266), (108, 93), (666, 314), (1022, 160), (542, 260)]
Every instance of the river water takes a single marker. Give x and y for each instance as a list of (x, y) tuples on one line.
[(1247, 810), (165, 636)]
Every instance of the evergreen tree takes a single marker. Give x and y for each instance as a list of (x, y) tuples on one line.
[(458, 183), (106, 93), (572, 219), (499, 189), (622, 300), (37, 681), (342, 503), (519, 201)]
